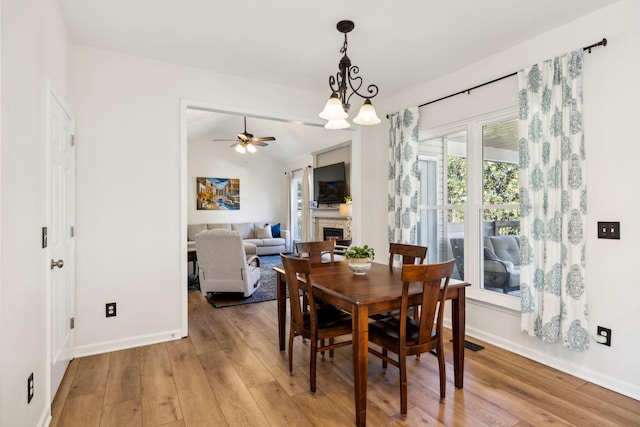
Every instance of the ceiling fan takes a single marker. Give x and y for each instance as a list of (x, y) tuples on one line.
[(247, 142)]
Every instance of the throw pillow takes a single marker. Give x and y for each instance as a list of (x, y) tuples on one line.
[(264, 232), (275, 230)]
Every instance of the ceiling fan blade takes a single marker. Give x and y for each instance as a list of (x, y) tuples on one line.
[(225, 140), (263, 138), (259, 144), (233, 145)]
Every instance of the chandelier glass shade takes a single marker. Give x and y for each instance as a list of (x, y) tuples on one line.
[(344, 85)]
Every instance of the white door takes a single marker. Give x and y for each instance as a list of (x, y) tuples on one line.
[(60, 240)]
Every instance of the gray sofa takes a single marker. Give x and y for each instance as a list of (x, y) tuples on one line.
[(501, 261), (255, 233)]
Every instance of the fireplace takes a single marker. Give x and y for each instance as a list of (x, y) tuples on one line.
[(332, 233), (331, 227)]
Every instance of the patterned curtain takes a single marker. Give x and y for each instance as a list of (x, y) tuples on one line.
[(403, 176), (553, 202)]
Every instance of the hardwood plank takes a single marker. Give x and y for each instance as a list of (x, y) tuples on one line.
[(278, 407), (565, 406), (122, 414), (160, 403), (123, 381), (204, 340), (82, 410), (321, 410), (199, 404), (63, 392), (234, 397), (249, 365), (91, 376)]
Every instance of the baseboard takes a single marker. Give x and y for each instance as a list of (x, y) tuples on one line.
[(622, 387), (45, 418), (129, 342)]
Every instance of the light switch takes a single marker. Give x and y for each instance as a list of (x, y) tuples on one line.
[(609, 230)]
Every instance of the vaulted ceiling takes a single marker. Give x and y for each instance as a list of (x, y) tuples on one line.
[(295, 43)]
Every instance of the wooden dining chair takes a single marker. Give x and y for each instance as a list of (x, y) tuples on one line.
[(404, 335), (316, 250), (409, 253), (309, 321)]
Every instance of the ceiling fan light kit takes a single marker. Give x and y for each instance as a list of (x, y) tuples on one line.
[(337, 107), (246, 142)]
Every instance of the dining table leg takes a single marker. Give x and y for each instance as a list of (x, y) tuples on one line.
[(281, 298), (458, 331), (360, 339)]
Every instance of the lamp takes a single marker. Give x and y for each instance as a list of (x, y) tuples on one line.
[(335, 111), (345, 212)]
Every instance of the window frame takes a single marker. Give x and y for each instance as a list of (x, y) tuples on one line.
[(475, 202)]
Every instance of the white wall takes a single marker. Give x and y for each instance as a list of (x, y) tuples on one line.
[(35, 49), (611, 91), (262, 182), (130, 239)]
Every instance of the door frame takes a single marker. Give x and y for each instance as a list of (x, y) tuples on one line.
[(186, 103)]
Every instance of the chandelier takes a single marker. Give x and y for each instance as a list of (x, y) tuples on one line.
[(337, 107)]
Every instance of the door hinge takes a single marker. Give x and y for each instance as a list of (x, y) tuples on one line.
[(73, 140), (73, 231), (72, 323)]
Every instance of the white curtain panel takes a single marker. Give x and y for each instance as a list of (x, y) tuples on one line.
[(553, 202), (306, 200), (403, 176)]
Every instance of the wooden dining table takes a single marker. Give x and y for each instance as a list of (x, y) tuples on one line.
[(379, 291)]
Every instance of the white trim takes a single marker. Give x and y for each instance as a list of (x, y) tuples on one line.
[(129, 342), (45, 418)]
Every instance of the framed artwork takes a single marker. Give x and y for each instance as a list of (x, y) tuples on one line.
[(218, 194)]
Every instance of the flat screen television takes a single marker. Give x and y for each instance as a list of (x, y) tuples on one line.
[(329, 184)]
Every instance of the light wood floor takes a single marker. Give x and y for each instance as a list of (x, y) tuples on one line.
[(230, 372)]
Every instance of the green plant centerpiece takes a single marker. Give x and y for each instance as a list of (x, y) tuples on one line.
[(360, 258)]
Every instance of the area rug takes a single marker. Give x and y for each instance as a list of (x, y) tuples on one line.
[(266, 291)]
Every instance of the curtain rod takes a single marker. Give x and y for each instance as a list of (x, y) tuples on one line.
[(602, 42)]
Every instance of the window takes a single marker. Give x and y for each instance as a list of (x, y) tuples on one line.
[(469, 203)]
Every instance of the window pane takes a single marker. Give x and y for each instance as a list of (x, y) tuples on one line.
[(443, 182), (500, 163), (501, 252)]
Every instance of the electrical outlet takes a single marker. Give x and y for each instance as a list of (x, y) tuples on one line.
[(609, 230), (110, 309), (30, 388), (606, 333)]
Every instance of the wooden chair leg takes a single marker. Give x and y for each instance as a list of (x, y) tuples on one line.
[(402, 361), (442, 369), (384, 362), (291, 336), (312, 365), (331, 341)]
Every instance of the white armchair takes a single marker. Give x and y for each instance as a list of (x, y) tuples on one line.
[(223, 265)]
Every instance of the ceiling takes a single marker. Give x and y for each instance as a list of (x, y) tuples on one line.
[(295, 43)]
